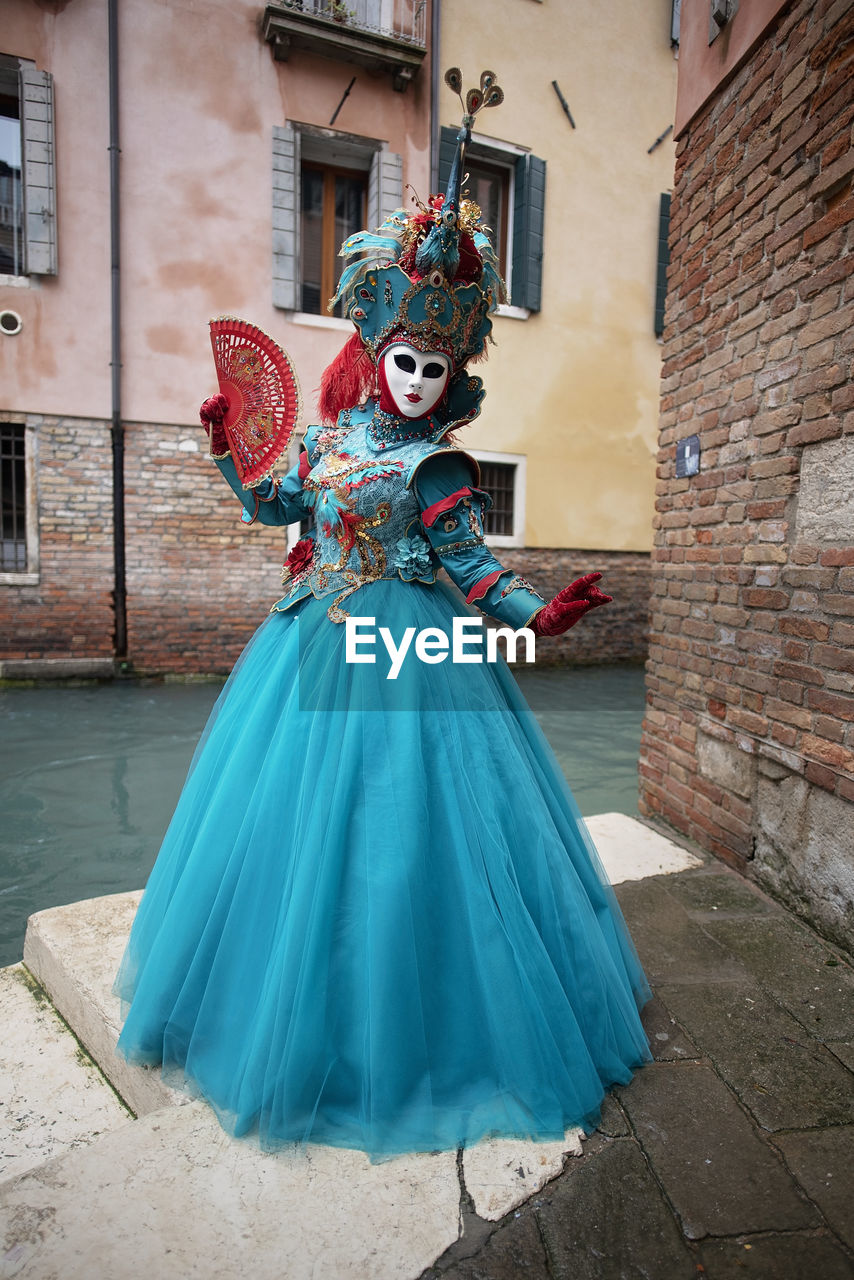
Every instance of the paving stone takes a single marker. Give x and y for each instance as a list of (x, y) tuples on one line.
[(513, 1252), (823, 1163), (786, 1078), (718, 1174), (502, 1173), (717, 892), (171, 1196), (53, 1097), (672, 946), (613, 1123), (779, 1257), (605, 1219), (804, 973), (630, 850), (844, 1051), (667, 1040)]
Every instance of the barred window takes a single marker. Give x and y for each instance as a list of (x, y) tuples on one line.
[(13, 498), (499, 481)]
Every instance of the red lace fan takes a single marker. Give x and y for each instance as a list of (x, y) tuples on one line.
[(263, 396)]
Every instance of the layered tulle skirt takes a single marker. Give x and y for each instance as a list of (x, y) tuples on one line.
[(377, 919)]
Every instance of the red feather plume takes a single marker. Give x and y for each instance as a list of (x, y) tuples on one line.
[(347, 381)]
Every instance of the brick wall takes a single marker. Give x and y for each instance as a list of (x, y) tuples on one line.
[(748, 742), (68, 612), (617, 632), (199, 581)]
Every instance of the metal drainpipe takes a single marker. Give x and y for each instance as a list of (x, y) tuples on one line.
[(435, 81), (117, 429)]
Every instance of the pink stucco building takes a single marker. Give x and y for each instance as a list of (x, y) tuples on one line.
[(243, 143)]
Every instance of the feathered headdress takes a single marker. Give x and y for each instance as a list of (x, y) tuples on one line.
[(430, 277)]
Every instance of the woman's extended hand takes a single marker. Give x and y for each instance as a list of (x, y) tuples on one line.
[(569, 605), (211, 414)]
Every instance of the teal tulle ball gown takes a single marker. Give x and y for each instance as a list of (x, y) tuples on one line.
[(377, 919)]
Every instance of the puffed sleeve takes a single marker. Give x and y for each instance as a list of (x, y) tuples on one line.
[(452, 516)]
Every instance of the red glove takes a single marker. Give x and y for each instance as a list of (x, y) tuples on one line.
[(211, 414), (568, 606)]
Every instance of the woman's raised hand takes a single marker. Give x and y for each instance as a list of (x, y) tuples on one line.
[(211, 414), (569, 605)]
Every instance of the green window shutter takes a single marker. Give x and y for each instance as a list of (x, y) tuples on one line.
[(286, 222), (529, 207), (663, 261), (447, 151), (385, 187), (38, 169)]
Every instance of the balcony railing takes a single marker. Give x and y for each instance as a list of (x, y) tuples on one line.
[(388, 35)]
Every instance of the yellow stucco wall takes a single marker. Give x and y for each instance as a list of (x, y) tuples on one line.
[(575, 387)]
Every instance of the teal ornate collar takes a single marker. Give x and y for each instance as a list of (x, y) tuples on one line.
[(385, 429)]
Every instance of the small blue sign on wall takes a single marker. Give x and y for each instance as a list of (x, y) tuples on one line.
[(688, 456)]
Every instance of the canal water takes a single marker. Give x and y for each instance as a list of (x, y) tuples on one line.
[(90, 775)]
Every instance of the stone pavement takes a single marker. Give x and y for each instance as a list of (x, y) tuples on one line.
[(731, 1155)]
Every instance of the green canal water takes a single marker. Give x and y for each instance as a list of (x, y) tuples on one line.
[(90, 775)]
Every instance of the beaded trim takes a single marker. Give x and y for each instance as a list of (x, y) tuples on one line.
[(454, 548), (386, 429), (518, 583)]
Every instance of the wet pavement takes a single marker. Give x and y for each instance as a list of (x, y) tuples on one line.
[(732, 1155)]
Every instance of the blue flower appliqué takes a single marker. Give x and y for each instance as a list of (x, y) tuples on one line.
[(412, 559)]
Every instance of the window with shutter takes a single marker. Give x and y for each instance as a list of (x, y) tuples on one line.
[(27, 185), (514, 184), (325, 187)]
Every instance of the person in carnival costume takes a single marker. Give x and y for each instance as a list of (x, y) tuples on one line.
[(377, 919)]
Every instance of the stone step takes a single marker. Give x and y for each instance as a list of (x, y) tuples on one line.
[(54, 1099), (73, 952), (171, 1195)]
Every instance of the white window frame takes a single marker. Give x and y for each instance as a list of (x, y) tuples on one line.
[(293, 143), (520, 463), (32, 576), (497, 152)]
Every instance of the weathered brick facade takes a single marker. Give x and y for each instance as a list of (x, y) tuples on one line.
[(749, 737), (199, 581), (615, 633), (68, 611)]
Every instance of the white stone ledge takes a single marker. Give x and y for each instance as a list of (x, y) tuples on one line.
[(54, 1098), (74, 953)]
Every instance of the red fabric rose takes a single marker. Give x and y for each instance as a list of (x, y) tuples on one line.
[(300, 557)]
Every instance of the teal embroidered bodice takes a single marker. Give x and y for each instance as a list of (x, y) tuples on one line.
[(366, 513), (380, 513)]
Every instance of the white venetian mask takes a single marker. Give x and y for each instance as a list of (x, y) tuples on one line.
[(415, 380)]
